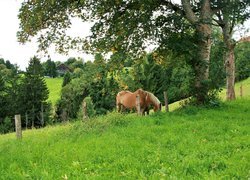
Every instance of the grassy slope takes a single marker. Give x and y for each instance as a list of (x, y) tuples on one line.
[(190, 143), (222, 95), (54, 86), (246, 89)]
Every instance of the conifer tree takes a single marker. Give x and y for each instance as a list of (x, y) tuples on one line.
[(35, 92)]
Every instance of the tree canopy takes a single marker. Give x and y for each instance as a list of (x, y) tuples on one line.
[(129, 27)]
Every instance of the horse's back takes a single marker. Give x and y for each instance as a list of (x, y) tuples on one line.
[(121, 93), (120, 96)]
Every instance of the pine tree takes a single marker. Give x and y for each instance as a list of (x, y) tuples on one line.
[(35, 93)]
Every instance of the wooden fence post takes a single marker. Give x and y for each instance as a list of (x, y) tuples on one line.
[(84, 110), (138, 105), (241, 90), (64, 115), (166, 101), (42, 116), (26, 120), (18, 126)]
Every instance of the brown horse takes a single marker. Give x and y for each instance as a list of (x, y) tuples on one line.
[(127, 100), (151, 99)]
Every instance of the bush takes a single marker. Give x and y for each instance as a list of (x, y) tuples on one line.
[(6, 126)]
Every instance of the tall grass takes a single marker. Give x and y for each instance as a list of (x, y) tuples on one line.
[(191, 143)]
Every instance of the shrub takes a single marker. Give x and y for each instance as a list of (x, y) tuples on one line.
[(6, 126)]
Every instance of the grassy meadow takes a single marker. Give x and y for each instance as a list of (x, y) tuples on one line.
[(54, 85), (190, 143)]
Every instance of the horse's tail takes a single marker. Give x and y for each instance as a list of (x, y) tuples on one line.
[(118, 96), (119, 100)]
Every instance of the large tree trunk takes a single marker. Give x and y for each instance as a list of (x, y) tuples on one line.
[(203, 29), (229, 63), (202, 64), (230, 71)]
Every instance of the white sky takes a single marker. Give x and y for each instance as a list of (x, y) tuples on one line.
[(19, 54)]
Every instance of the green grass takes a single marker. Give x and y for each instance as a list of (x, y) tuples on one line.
[(54, 86), (191, 143)]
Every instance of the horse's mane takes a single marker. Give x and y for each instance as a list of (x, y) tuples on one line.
[(153, 98)]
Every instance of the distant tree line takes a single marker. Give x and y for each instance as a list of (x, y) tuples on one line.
[(24, 93)]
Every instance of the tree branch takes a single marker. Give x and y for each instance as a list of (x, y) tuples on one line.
[(219, 21), (205, 9), (191, 17)]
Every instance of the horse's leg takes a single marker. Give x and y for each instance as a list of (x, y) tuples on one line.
[(118, 107), (146, 111), (143, 111), (121, 108)]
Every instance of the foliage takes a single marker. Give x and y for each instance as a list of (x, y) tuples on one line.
[(71, 97), (179, 86), (9, 94), (96, 82), (49, 68), (157, 73), (6, 126), (217, 72), (127, 27), (74, 63), (242, 58), (66, 79)]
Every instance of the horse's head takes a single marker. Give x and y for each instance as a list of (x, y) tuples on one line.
[(160, 106), (157, 107), (152, 99)]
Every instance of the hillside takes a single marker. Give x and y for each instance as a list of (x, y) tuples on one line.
[(54, 86), (188, 143), (245, 89)]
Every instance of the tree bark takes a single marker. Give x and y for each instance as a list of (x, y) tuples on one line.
[(201, 66), (229, 60), (230, 71)]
